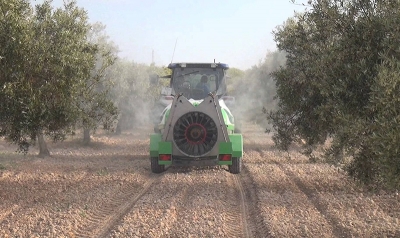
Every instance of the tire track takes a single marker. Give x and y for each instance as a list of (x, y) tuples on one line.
[(110, 211), (243, 207), (180, 203), (229, 195), (255, 225), (235, 208), (8, 212), (337, 229)]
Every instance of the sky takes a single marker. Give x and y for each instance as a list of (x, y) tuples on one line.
[(236, 32)]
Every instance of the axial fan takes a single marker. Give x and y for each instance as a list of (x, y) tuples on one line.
[(195, 134)]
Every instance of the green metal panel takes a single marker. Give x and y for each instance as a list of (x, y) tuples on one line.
[(225, 148), (154, 141), (231, 128), (165, 147), (225, 162), (227, 119), (237, 145), (160, 162), (158, 147)]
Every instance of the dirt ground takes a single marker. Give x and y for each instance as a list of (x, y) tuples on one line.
[(108, 190)]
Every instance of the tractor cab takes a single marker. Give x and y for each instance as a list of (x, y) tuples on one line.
[(194, 81), (197, 80)]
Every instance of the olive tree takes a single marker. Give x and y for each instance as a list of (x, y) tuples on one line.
[(338, 84), (95, 103), (45, 59)]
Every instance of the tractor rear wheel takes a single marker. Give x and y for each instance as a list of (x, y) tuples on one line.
[(155, 167), (236, 166)]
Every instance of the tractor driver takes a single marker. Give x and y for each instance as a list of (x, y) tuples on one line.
[(202, 85)]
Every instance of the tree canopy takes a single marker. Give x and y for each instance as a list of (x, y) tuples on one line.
[(340, 83), (45, 59), (95, 103)]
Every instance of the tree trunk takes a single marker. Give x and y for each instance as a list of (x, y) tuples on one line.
[(43, 151), (86, 136)]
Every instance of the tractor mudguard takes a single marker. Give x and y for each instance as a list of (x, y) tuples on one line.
[(237, 145), (154, 144)]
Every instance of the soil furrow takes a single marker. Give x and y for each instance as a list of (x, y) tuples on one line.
[(104, 218), (257, 227), (243, 207), (337, 229), (235, 212), (108, 190)]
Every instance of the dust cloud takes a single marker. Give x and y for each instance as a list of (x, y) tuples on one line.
[(136, 95), (133, 93), (254, 91)]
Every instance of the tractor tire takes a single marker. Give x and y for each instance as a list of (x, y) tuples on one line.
[(236, 166), (155, 167)]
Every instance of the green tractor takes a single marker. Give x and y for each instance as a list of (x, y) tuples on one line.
[(196, 128)]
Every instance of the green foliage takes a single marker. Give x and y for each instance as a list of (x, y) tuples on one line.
[(339, 83), (383, 139), (95, 103), (44, 59)]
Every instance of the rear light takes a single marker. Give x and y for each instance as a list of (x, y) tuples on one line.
[(165, 157), (225, 157)]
